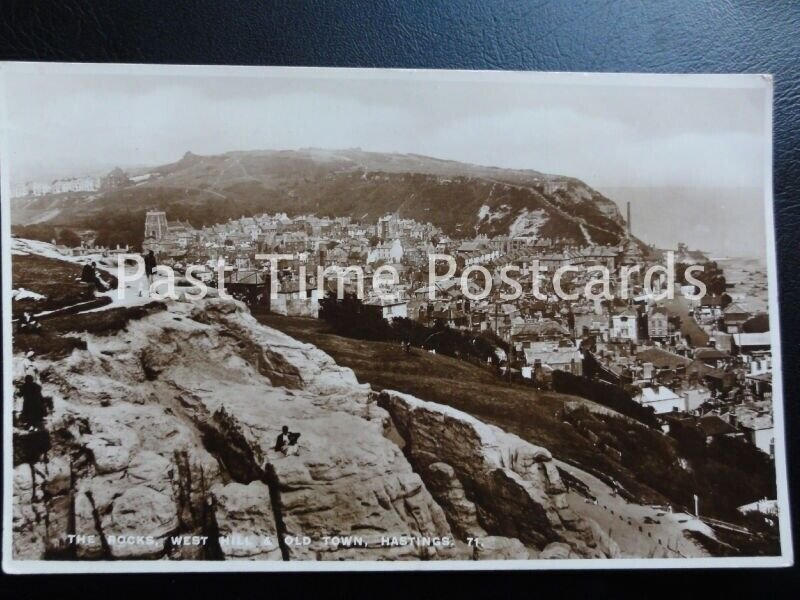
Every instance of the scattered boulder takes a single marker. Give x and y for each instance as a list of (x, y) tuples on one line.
[(557, 550), (245, 522), (500, 548)]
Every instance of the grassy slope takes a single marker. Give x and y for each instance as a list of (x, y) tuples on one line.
[(518, 409), (211, 189), (55, 341), (58, 280)]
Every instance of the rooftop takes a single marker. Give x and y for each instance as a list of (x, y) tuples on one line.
[(752, 339)]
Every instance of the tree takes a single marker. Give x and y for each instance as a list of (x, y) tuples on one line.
[(67, 237), (757, 324), (350, 317), (117, 178)]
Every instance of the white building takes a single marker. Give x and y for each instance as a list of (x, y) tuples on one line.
[(391, 306), (294, 302), (625, 326), (391, 252), (758, 427), (662, 399), (57, 186), (555, 356)]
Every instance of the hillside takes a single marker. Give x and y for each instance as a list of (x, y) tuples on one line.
[(362, 185), (163, 426), (185, 400), (533, 415), (647, 470)]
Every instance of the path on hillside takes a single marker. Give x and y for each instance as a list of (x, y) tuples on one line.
[(128, 297), (663, 537), (585, 233), (581, 222)]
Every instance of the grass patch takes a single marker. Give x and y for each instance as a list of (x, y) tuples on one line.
[(67, 296), (54, 341), (59, 281), (532, 415)]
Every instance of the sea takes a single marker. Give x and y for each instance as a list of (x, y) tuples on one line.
[(748, 277)]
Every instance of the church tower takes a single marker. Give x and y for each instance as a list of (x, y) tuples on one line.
[(155, 224)]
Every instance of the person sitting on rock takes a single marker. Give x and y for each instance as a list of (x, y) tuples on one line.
[(33, 404), (287, 441), (29, 324), (87, 273)]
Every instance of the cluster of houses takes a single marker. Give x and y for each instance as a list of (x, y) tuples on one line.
[(691, 359), (56, 186)]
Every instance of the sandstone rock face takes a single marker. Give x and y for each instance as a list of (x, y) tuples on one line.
[(514, 485), (494, 547), (167, 430), (246, 508), (557, 550), (449, 493)]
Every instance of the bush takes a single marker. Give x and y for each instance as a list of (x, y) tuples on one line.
[(67, 237), (352, 318), (608, 395), (691, 440), (40, 233)]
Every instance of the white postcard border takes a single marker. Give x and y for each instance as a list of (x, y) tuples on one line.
[(737, 81)]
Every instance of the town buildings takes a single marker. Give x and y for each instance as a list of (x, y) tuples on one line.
[(636, 344), (57, 186)]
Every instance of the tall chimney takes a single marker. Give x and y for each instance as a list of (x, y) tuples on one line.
[(629, 218)]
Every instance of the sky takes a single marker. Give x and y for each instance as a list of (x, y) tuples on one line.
[(611, 136)]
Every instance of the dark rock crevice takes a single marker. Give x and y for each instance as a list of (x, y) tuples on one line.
[(273, 483), (244, 463), (438, 490), (105, 552)]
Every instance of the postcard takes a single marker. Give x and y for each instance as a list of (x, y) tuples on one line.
[(311, 319)]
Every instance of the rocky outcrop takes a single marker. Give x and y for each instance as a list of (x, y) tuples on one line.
[(495, 547), (167, 430), (246, 524), (449, 493), (514, 486), (161, 446)]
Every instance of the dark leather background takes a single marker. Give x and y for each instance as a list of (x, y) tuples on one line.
[(669, 36)]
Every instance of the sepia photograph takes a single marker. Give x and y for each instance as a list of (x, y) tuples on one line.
[(274, 319)]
